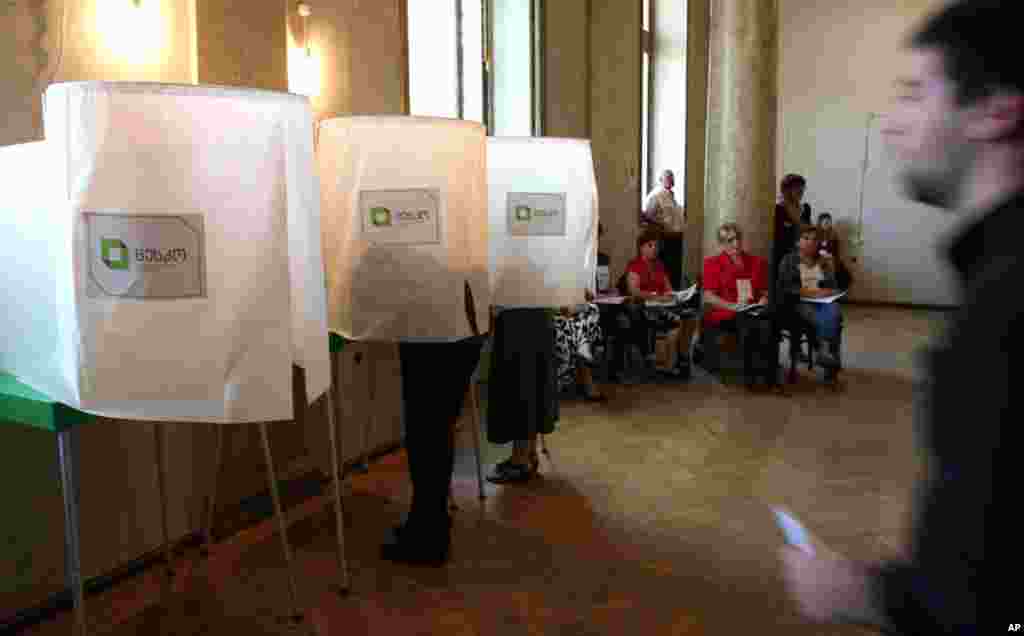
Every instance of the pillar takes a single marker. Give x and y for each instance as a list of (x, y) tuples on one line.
[(742, 102)]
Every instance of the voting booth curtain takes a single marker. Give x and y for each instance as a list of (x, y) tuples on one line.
[(163, 257), (404, 203), (542, 202)]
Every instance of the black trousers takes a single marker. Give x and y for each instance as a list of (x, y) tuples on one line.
[(434, 381), (759, 342), (630, 325)]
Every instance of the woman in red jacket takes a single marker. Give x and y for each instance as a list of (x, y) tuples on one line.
[(733, 281)]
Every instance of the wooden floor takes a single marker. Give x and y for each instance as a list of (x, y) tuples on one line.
[(651, 518)]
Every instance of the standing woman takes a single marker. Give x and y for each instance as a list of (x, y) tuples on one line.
[(522, 397), (790, 214)]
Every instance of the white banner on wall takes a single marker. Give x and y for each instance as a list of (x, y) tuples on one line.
[(401, 217), (145, 257), (536, 214)]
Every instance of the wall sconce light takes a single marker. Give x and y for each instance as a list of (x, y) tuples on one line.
[(303, 66), (304, 11)]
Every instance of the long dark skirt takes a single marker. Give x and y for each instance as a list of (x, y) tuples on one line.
[(522, 398)]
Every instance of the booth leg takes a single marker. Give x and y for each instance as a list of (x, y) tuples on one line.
[(67, 459), (362, 464), (281, 526), (475, 408), (211, 508), (160, 437), (339, 516)]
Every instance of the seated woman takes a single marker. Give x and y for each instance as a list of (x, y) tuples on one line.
[(805, 273), (577, 331), (733, 280), (645, 278)]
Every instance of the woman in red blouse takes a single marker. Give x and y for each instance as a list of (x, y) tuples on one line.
[(646, 276), (734, 280)]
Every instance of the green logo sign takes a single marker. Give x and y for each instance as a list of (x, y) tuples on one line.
[(523, 213), (114, 253), (380, 216)]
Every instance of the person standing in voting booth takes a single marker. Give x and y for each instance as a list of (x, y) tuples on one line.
[(957, 133), (405, 236)]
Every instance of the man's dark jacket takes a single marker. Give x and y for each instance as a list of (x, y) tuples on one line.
[(964, 573)]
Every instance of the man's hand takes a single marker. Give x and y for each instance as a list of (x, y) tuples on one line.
[(828, 587), (588, 296)]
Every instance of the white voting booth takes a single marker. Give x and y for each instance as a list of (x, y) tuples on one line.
[(543, 220), (165, 253), (404, 226), (164, 257), (404, 220)]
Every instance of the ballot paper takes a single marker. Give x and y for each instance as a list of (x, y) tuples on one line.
[(744, 290)]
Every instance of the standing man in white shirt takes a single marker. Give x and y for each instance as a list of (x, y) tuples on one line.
[(660, 207), (662, 212)]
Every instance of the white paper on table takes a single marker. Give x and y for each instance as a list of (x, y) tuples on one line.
[(241, 161), (826, 300)]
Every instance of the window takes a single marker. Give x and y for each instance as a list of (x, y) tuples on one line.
[(515, 63), (663, 94), (446, 73), (476, 60)]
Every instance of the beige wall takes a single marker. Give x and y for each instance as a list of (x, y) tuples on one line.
[(566, 69), (101, 41), (615, 122), (359, 46), (836, 67), (242, 43)]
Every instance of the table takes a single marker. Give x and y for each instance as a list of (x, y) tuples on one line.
[(23, 406)]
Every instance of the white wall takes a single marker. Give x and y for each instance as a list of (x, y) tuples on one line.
[(837, 64), (669, 112)]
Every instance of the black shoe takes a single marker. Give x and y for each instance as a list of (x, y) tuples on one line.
[(414, 547)]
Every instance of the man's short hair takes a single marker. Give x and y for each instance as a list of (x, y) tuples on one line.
[(731, 227), (792, 181), (665, 173), (980, 45), (646, 237)]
